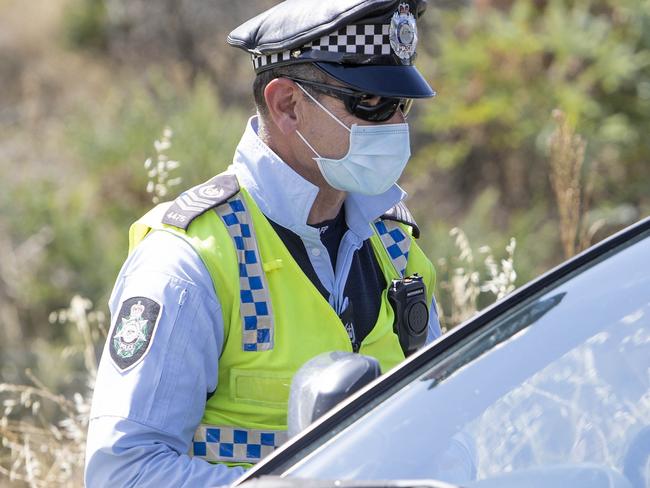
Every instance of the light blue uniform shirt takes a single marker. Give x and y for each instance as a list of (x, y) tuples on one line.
[(142, 420)]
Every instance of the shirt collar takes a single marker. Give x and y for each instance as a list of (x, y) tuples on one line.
[(286, 198)]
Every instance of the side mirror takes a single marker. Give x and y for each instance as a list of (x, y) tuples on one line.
[(323, 382)]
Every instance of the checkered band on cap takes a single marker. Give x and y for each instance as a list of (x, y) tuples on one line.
[(255, 300), (235, 445), (396, 242), (370, 39)]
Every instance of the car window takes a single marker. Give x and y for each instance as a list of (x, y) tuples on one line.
[(563, 380)]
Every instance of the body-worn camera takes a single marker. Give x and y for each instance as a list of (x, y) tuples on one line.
[(409, 301)]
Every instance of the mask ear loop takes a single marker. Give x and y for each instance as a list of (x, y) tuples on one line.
[(323, 107), (308, 145)]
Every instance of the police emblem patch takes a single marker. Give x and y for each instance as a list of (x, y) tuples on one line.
[(403, 33), (133, 331)]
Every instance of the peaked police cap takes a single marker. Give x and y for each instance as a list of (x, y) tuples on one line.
[(368, 45)]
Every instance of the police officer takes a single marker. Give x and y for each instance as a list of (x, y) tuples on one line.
[(302, 246)]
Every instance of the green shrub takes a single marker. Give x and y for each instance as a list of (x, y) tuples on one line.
[(85, 24)]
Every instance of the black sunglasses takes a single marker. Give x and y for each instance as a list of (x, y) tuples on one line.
[(362, 105)]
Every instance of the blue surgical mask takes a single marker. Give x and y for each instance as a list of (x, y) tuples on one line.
[(375, 160)]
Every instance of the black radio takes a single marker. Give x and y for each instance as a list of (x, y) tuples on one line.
[(408, 298)]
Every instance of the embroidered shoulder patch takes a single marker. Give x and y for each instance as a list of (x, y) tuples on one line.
[(198, 200), (133, 332), (399, 213)]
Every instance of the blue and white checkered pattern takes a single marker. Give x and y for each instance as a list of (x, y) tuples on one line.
[(396, 242), (255, 303), (235, 445), (366, 39)]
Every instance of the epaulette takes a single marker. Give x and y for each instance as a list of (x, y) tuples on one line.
[(198, 200), (399, 213)]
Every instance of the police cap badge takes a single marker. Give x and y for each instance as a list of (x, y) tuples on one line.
[(403, 32)]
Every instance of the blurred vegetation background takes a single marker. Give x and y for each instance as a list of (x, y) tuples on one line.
[(87, 86)]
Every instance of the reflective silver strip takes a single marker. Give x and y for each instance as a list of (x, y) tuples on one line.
[(235, 445), (396, 242), (255, 300)]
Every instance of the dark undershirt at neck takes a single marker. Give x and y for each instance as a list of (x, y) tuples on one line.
[(365, 282), (331, 234)]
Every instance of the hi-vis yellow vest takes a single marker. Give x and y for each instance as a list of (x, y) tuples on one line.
[(274, 317)]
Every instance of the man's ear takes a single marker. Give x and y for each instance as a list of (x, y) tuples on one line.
[(281, 95)]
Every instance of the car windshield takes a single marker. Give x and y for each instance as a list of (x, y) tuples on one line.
[(560, 382)]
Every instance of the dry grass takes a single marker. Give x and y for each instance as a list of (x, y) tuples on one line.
[(44, 433), (572, 186), (38, 451), (159, 171), (465, 282)]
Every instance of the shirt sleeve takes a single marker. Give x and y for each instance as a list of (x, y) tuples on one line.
[(144, 413)]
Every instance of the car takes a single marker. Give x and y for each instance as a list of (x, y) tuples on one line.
[(547, 387)]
